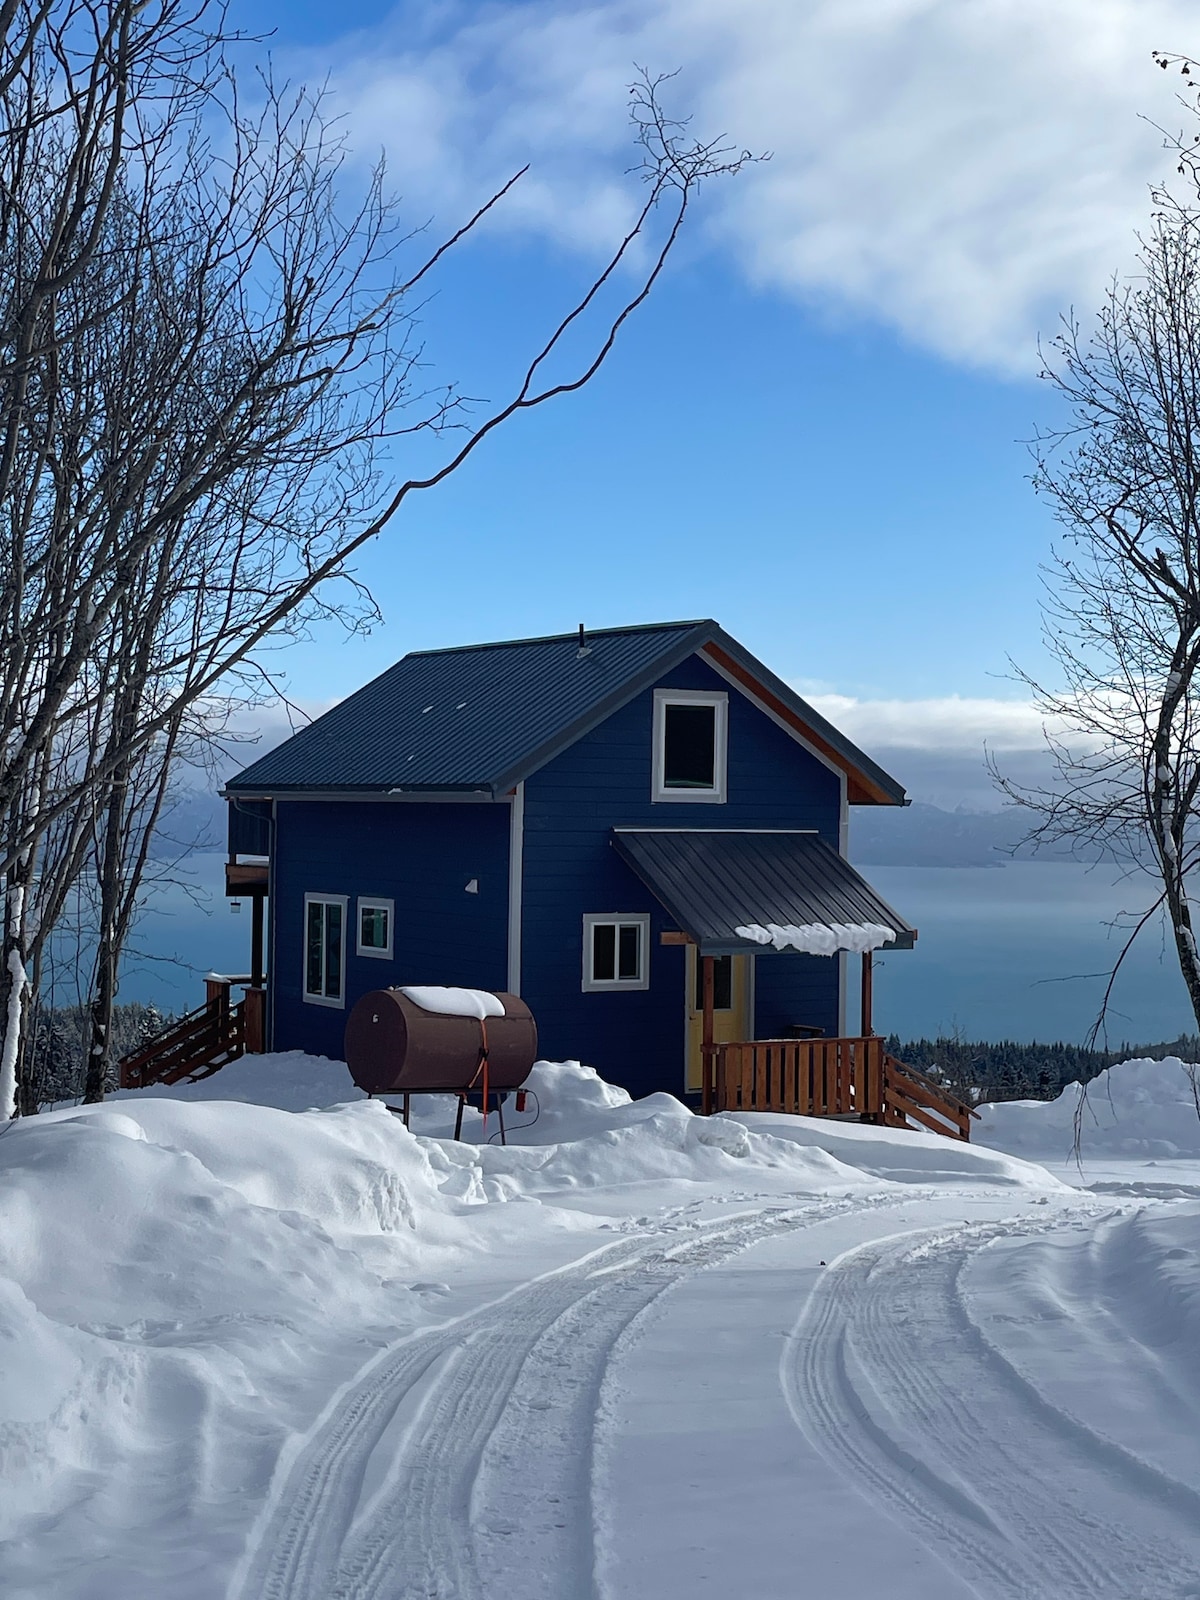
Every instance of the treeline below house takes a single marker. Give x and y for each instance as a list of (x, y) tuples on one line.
[(975, 1070), (1007, 1070), (59, 1042)]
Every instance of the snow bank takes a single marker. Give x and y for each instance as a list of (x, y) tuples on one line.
[(899, 1155), (1139, 1108), (1156, 1256), (174, 1280), (289, 1080)]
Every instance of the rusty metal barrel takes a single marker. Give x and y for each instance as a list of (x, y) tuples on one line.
[(395, 1046)]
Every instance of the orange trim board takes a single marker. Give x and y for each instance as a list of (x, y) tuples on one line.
[(859, 789)]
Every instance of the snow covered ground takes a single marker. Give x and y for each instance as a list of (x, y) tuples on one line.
[(253, 1350)]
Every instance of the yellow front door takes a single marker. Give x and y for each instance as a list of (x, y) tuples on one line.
[(731, 1011)]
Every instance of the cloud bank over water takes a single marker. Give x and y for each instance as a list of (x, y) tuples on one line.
[(937, 747)]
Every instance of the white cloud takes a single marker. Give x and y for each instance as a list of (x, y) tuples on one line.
[(952, 723), (962, 170), (938, 747)]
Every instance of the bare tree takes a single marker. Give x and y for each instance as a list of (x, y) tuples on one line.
[(1123, 611), (208, 363)]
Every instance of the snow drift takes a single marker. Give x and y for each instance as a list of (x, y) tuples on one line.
[(1139, 1108)]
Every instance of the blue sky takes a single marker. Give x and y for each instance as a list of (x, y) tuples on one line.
[(813, 431)]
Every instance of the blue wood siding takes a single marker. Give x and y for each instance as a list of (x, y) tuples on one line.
[(604, 780), (421, 856), (789, 988), (249, 829)]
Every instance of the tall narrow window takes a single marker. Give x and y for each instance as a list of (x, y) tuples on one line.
[(325, 949), (615, 952), (375, 928), (689, 745)]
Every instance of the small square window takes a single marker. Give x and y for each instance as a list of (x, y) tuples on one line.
[(615, 952), (375, 928), (689, 745), (325, 949)]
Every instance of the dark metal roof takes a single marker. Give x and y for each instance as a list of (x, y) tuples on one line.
[(712, 881), (465, 719), (480, 718)]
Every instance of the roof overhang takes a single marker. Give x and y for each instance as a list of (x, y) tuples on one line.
[(715, 882)]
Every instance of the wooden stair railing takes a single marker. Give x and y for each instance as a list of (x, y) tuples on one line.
[(199, 1044), (909, 1096), (834, 1078)]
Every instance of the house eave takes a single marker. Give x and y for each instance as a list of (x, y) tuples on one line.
[(471, 793)]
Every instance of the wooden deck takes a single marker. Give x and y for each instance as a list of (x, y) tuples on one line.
[(832, 1078)]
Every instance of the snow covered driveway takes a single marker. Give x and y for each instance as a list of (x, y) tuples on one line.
[(492, 1470), (707, 1408), (650, 1357)]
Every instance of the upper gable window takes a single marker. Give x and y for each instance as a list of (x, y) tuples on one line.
[(689, 745)]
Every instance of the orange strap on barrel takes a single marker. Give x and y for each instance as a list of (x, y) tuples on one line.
[(484, 1051), (482, 1068)]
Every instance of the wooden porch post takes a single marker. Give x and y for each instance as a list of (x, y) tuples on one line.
[(256, 941), (868, 962), (216, 994), (254, 1021), (706, 1036)]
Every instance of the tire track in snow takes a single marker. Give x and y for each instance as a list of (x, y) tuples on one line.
[(504, 1445), (885, 1373), (501, 1440)]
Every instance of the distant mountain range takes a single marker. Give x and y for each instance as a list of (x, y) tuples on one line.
[(918, 835), (922, 835)]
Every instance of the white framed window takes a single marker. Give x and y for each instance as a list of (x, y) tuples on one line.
[(616, 952), (690, 746), (325, 949), (375, 918)]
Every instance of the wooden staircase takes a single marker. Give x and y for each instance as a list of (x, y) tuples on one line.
[(201, 1043), (848, 1078)]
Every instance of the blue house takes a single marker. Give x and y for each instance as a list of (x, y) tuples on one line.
[(582, 820)]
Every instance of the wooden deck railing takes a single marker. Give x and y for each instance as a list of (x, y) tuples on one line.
[(806, 1077), (200, 1043), (834, 1078)]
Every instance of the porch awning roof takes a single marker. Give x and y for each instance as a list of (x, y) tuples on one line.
[(741, 890)]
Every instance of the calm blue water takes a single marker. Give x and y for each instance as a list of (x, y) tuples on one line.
[(997, 957), (1001, 950)]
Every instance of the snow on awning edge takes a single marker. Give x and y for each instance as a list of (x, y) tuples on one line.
[(819, 938)]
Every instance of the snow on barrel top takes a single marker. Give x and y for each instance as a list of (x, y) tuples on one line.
[(819, 938), (452, 1002)]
